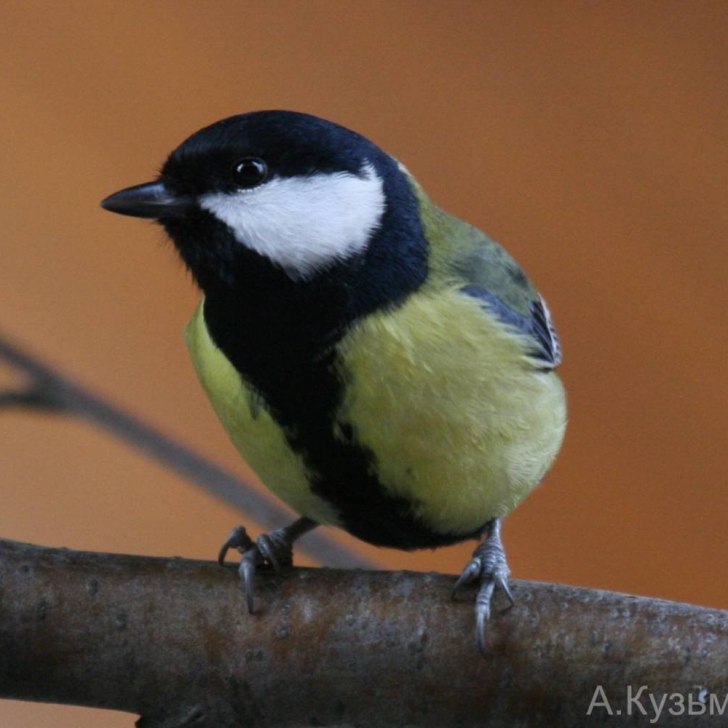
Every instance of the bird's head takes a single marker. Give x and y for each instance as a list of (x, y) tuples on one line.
[(297, 194)]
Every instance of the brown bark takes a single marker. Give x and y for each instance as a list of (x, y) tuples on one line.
[(170, 639)]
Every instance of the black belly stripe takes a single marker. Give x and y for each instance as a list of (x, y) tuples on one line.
[(302, 391)]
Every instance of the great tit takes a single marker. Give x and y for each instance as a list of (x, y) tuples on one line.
[(383, 366)]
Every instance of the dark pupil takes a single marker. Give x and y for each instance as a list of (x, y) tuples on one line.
[(249, 172)]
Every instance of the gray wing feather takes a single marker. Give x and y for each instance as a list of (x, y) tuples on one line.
[(538, 324)]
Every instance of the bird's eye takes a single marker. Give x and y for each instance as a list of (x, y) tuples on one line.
[(250, 172)]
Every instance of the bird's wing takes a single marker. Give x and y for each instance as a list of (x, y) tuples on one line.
[(493, 277), (537, 323)]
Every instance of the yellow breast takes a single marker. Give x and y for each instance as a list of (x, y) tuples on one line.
[(461, 422)]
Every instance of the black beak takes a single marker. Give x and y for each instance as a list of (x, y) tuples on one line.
[(148, 200)]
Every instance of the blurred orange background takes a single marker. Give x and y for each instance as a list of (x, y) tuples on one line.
[(589, 138)]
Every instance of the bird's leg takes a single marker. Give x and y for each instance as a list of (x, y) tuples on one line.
[(489, 566), (274, 548)]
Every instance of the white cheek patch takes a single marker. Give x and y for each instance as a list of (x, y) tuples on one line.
[(303, 224)]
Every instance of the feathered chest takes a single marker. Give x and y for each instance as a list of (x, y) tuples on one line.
[(434, 421)]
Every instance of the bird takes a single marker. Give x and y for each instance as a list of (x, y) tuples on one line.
[(384, 367)]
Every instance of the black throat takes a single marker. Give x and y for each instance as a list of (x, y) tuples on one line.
[(281, 336)]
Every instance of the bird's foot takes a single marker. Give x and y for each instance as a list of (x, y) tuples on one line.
[(274, 549), (489, 567)]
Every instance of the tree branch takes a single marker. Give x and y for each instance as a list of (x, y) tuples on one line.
[(171, 640)]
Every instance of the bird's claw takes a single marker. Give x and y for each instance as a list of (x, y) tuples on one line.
[(248, 566), (274, 548), (239, 540), (470, 573), (489, 566)]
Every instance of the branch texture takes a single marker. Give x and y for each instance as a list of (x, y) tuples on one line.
[(171, 640)]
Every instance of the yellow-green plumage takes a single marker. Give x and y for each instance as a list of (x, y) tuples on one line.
[(460, 421), (382, 366)]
